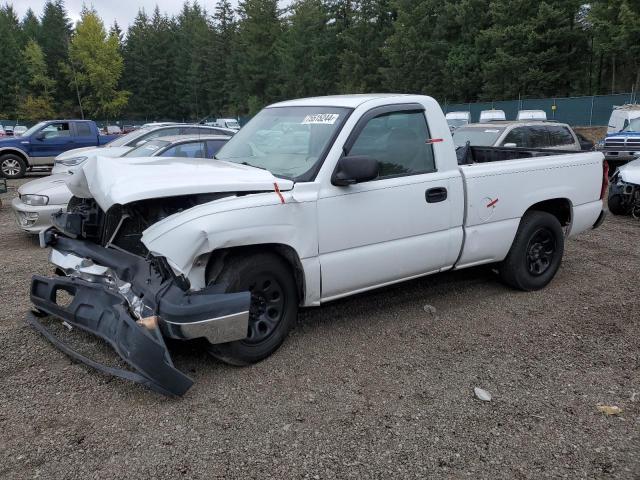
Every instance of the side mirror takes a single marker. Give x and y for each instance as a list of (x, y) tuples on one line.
[(39, 136), (510, 145), (355, 169)]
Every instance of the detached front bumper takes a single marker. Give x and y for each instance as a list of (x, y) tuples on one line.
[(132, 304)]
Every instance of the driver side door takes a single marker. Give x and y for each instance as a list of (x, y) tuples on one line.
[(49, 142), (394, 227)]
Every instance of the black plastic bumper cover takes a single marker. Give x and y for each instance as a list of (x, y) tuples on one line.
[(101, 310), (104, 314)]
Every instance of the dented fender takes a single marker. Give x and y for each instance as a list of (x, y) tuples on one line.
[(285, 218)]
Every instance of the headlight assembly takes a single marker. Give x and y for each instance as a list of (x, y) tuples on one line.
[(35, 200), (71, 162)]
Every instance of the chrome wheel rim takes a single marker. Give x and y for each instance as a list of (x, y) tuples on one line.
[(10, 167)]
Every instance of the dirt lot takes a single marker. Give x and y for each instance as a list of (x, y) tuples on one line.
[(370, 387)]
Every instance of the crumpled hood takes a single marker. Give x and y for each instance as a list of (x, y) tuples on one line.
[(124, 180), (630, 173)]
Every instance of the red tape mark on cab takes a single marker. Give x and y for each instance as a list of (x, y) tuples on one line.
[(277, 189)]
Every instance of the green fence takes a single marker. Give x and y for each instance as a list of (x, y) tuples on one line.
[(577, 111)]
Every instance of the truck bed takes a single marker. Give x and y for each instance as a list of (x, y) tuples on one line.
[(468, 155)]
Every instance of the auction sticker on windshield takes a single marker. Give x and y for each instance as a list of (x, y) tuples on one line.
[(321, 119)]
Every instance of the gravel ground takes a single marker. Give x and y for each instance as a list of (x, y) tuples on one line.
[(375, 386)]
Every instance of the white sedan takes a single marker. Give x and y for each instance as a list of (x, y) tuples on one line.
[(39, 199)]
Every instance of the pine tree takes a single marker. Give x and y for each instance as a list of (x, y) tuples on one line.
[(258, 70), (308, 51), (55, 32), (11, 66), (30, 26), (36, 102)]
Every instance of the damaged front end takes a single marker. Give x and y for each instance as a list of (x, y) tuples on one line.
[(132, 303), (624, 191)]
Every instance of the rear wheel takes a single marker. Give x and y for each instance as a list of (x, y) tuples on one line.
[(273, 311), (536, 252), (12, 166)]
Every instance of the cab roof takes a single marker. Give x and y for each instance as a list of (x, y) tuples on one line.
[(347, 101)]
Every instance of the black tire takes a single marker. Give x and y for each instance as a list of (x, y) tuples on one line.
[(274, 306), (615, 204), (12, 166), (536, 252)]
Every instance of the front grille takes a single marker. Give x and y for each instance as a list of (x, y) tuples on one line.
[(624, 143), (614, 142)]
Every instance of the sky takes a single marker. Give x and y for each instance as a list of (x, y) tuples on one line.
[(124, 11)]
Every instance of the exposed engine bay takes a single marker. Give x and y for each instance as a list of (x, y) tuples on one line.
[(122, 225)]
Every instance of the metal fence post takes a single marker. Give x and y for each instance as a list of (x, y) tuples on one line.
[(591, 112)]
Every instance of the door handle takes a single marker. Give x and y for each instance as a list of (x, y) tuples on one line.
[(435, 195)]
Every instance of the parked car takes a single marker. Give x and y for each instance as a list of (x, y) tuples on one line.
[(39, 199), (19, 130), (624, 146), (457, 119), (556, 136), (624, 192), (8, 130), (227, 251), (124, 143), (531, 115), (231, 123), (492, 116), (40, 144), (2, 132)]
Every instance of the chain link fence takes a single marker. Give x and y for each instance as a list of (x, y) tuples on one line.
[(576, 111)]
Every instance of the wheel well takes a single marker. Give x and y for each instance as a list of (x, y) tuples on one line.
[(217, 260), (16, 152), (558, 207)]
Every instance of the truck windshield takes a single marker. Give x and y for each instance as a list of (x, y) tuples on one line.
[(34, 129), (634, 126), (287, 141), (477, 136)]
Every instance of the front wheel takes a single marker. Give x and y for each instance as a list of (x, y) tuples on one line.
[(12, 166), (273, 311), (536, 252)]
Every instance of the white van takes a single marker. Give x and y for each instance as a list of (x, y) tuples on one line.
[(621, 117), (457, 119), (532, 115), (492, 116), (231, 123)]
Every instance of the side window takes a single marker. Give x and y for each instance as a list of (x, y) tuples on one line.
[(83, 129), (517, 136), (398, 141), (559, 136), (55, 130), (186, 150), (161, 132), (213, 146), (538, 137)]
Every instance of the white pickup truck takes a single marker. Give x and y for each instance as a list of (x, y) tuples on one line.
[(313, 200)]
